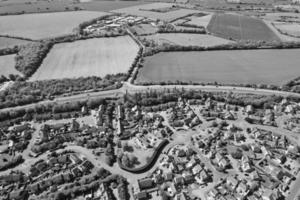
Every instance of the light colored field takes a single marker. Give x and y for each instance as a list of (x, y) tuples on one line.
[(200, 21), (109, 5), (45, 25), (143, 29), (284, 38), (93, 57), (282, 16), (144, 11), (36, 6), (184, 39), (7, 65), (291, 29), (11, 42), (245, 66)]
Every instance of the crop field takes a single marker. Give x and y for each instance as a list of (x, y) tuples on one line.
[(45, 25), (11, 42), (7, 65), (291, 29), (93, 57), (145, 11), (184, 39), (230, 67), (239, 27)]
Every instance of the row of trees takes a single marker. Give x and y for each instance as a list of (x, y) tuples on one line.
[(246, 45), (21, 93)]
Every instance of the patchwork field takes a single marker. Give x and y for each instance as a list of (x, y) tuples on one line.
[(183, 39), (93, 57), (7, 65), (239, 27), (11, 42), (245, 66), (145, 11), (45, 25)]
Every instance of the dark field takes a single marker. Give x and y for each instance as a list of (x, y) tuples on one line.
[(239, 27), (229, 67)]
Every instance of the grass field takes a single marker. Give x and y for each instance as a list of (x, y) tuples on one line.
[(144, 11), (109, 5), (143, 29), (183, 39), (45, 25), (200, 21), (11, 42), (7, 65), (93, 57), (240, 27), (245, 66), (36, 6), (291, 29)]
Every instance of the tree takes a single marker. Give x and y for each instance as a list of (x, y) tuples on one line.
[(60, 196), (125, 160)]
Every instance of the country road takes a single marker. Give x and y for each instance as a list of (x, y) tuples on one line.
[(131, 88)]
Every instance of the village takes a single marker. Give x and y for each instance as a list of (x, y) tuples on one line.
[(188, 149)]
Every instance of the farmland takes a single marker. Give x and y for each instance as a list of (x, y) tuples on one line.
[(147, 11), (183, 39), (33, 6), (11, 42), (93, 57), (109, 5), (144, 29), (45, 25), (7, 65), (290, 29), (200, 21), (230, 67), (240, 27)]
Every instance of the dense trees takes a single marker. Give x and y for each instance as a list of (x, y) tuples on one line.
[(22, 93), (31, 55)]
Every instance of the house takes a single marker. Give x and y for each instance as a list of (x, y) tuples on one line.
[(141, 195), (196, 169), (145, 183), (202, 177), (242, 189), (232, 182), (168, 177), (74, 159), (212, 194), (249, 109), (246, 164), (179, 180), (188, 178)]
